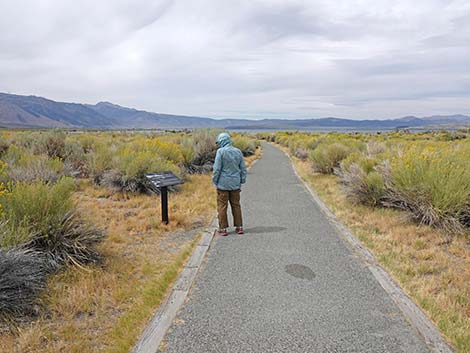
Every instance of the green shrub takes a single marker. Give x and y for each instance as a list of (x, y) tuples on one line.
[(4, 145), (200, 150), (51, 143), (75, 160), (89, 141), (100, 160), (375, 148), (129, 168), (326, 157), (122, 165), (366, 163), (187, 151), (48, 157), (24, 166), (432, 184), (375, 186), (14, 153), (245, 144), (25, 139), (301, 145), (41, 217), (361, 182), (204, 146), (31, 209)]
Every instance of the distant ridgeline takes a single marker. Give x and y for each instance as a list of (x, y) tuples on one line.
[(36, 112)]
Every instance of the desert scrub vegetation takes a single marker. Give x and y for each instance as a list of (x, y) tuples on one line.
[(406, 197), (84, 258), (432, 183), (40, 231), (199, 149), (121, 164), (426, 175)]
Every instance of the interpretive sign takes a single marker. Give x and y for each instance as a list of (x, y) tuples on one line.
[(161, 182)]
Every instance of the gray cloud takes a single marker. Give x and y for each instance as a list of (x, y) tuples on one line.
[(271, 58)]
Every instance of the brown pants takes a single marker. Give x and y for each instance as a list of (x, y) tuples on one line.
[(223, 197)]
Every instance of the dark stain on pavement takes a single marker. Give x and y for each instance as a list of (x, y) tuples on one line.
[(300, 271)]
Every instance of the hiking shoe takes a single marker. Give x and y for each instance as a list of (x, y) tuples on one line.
[(239, 230), (223, 232)]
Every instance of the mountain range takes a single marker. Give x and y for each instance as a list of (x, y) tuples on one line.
[(17, 111)]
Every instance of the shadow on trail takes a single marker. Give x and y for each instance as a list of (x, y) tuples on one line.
[(261, 229)]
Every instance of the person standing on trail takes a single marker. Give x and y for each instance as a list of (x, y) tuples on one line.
[(229, 173)]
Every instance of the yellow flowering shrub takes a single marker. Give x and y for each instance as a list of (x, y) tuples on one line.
[(163, 149)]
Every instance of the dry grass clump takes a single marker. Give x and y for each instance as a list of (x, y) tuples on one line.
[(73, 243), (22, 278)]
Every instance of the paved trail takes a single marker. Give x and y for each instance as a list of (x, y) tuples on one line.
[(291, 284)]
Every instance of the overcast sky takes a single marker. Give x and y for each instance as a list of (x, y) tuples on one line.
[(253, 59)]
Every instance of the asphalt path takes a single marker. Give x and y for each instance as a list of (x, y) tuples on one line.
[(290, 284)]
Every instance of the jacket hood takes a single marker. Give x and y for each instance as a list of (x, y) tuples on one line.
[(223, 140)]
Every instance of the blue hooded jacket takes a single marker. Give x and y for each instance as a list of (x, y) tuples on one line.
[(229, 166)]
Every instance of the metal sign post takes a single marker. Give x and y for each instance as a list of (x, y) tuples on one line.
[(164, 195), (160, 182)]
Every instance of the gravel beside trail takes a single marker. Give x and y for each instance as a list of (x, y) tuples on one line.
[(290, 284)]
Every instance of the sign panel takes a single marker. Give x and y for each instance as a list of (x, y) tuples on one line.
[(159, 182), (164, 179)]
